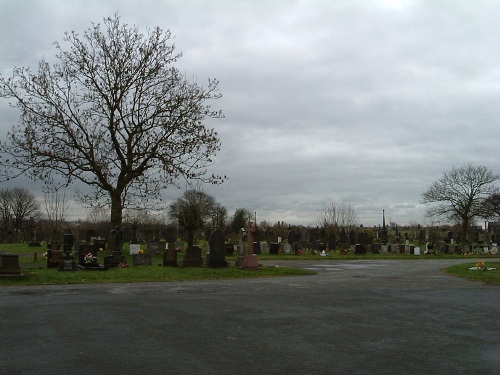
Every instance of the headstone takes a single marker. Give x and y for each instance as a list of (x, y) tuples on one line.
[(135, 248), (229, 249), (250, 260), (264, 248), (287, 248), (87, 255), (68, 263), (256, 247), (9, 265), (171, 234), (358, 249), (154, 247), (192, 257), (170, 255), (274, 248), (54, 257), (217, 244), (142, 259), (416, 251)]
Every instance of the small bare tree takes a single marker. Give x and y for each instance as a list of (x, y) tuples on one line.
[(334, 216), (56, 205), (19, 206)]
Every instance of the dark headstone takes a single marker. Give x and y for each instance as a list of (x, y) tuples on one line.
[(153, 247), (171, 234), (217, 245), (256, 247), (274, 248), (229, 249), (142, 259), (170, 256), (358, 249), (192, 257), (9, 265), (54, 257)]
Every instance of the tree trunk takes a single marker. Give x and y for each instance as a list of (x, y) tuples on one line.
[(116, 222), (465, 231)]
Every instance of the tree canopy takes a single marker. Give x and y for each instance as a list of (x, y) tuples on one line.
[(460, 194), (192, 210), (114, 114)]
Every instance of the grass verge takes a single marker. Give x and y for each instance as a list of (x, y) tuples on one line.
[(461, 270)]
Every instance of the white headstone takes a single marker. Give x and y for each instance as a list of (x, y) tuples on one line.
[(287, 248), (416, 251), (135, 248)]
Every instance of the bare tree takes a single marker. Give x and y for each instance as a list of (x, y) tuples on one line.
[(19, 206), (56, 206), (460, 194), (334, 216), (113, 114)]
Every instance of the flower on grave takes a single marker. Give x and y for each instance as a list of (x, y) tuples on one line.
[(123, 265), (141, 251), (481, 265), (44, 255), (89, 258)]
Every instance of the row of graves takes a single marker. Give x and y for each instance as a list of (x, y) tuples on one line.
[(60, 256)]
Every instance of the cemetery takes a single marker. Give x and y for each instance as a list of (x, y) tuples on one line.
[(131, 256)]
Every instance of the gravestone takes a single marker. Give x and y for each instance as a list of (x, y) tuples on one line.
[(256, 247), (135, 248), (229, 249), (217, 245), (264, 248), (274, 248), (54, 255), (358, 249), (171, 234), (154, 247), (170, 255), (250, 260), (192, 257), (9, 265), (68, 263), (87, 257), (287, 248), (142, 259)]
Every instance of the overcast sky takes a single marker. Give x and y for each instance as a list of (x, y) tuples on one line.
[(366, 102)]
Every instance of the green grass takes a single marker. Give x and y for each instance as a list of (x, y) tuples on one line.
[(490, 277), (36, 272), (154, 273)]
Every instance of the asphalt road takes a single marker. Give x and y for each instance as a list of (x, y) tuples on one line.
[(353, 317)]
